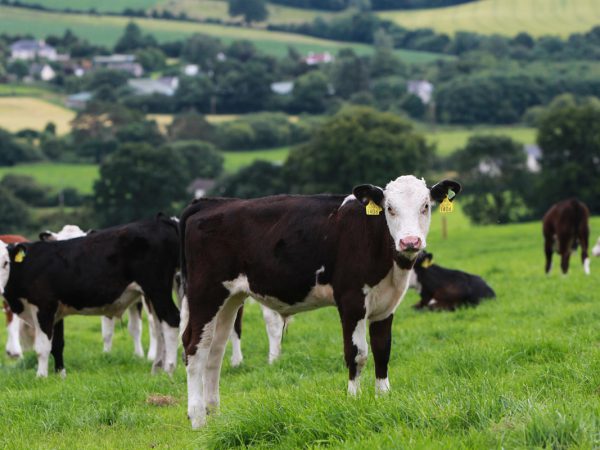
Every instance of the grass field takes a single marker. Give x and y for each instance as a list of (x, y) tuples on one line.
[(522, 371), (236, 160), (78, 176), (106, 31), (507, 17), (17, 113)]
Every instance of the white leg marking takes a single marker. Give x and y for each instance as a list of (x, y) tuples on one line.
[(236, 349), (135, 329), (223, 326), (586, 266), (13, 342), (108, 329), (275, 323), (152, 334), (382, 386), (195, 383), (42, 345), (171, 342), (159, 360), (359, 339)]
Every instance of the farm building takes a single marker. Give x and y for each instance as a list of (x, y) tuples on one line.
[(28, 49)]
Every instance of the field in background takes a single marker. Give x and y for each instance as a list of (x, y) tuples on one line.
[(522, 371), (17, 113), (506, 17), (106, 31), (58, 175)]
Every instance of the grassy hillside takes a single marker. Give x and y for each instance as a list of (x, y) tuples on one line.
[(17, 113), (106, 31), (522, 371), (78, 176), (507, 17)]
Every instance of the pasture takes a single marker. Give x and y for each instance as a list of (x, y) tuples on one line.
[(106, 30), (522, 371), (17, 113), (58, 175), (506, 17)]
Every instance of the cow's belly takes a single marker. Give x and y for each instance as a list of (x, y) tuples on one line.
[(130, 295), (320, 295), (382, 299)]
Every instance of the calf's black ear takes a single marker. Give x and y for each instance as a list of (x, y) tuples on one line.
[(46, 236), (441, 190), (17, 252), (367, 192)]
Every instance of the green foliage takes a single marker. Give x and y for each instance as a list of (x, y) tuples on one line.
[(350, 74), (357, 145), (252, 10), (246, 88), (26, 189), (494, 173), (190, 126), (570, 138), (13, 151), (194, 93), (413, 105), (201, 159), (137, 181), (201, 49), (235, 135), (310, 93), (14, 213), (151, 58), (133, 39), (259, 179)]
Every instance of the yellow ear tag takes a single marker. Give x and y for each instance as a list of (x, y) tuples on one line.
[(373, 209), (427, 263), (20, 256), (446, 206)]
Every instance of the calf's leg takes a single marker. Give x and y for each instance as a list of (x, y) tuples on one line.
[(151, 331), (13, 342), (58, 345), (135, 327), (584, 235), (43, 324), (381, 344), (565, 254), (275, 324), (108, 329), (354, 327), (236, 339), (548, 250)]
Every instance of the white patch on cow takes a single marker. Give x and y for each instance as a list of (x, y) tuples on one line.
[(184, 315), (382, 299), (359, 339), (382, 385), (171, 342), (151, 331), (13, 343), (320, 295), (596, 248), (4, 266), (159, 359), (586, 266), (42, 343), (26, 335), (349, 198), (236, 349), (68, 232), (353, 387), (407, 206), (130, 295), (432, 302), (195, 367), (135, 329), (108, 329), (275, 325)]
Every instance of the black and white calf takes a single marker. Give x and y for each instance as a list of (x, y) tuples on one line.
[(103, 273), (446, 289), (108, 323), (297, 253)]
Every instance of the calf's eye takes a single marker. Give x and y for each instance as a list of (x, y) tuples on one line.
[(390, 210)]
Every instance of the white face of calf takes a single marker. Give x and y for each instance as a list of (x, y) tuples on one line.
[(4, 266), (406, 202), (67, 232), (596, 249)]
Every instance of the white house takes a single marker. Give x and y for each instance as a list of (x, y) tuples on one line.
[(147, 86), (28, 49), (534, 155), (318, 58), (282, 87), (191, 70), (422, 89), (125, 63)]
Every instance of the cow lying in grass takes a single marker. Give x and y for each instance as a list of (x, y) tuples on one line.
[(447, 289), (297, 253)]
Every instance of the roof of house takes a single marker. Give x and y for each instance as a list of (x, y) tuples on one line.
[(282, 87), (147, 86), (29, 45)]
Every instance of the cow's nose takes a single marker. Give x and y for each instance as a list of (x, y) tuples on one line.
[(410, 243)]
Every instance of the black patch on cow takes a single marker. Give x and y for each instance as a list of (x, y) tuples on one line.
[(367, 192), (440, 190)]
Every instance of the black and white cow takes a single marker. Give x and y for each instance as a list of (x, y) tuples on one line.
[(134, 324), (297, 253), (99, 274), (447, 289)]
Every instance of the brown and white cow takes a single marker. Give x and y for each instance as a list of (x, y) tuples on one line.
[(565, 225), (99, 274), (297, 253), (13, 323)]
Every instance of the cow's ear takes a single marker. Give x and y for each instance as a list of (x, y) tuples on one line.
[(47, 236), (443, 188), (367, 192), (17, 253)]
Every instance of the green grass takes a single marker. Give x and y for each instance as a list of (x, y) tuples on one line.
[(78, 176), (106, 30), (450, 139), (234, 161), (507, 17), (522, 371)]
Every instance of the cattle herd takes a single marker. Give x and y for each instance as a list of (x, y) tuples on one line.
[(359, 253)]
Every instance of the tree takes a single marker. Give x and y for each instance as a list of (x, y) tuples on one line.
[(350, 74), (151, 59), (12, 151), (357, 145), (190, 126), (259, 179), (138, 181), (194, 93), (202, 50), (385, 62), (569, 136), (28, 190), (310, 93), (252, 10), (202, 159), (133, 39), (244, 90), (494, 169), (14, 213)]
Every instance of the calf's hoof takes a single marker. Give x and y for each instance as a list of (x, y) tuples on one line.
[(236, 362), (14, 355), (197, 418)]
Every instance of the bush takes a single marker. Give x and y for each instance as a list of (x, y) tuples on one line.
[(14, 213), (259, 179), (202, 159), (12, 151), (28, 190), (235, 136)]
